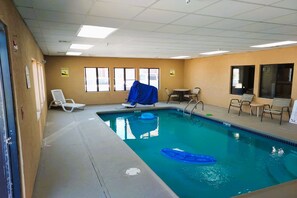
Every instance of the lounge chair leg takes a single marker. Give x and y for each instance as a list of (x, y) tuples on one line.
[(229, 108)]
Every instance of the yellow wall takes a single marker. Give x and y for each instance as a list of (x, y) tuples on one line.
[(213, 74), (29, 129), (73, 86)]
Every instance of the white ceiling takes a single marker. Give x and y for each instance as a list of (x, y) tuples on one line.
[(160, 28)]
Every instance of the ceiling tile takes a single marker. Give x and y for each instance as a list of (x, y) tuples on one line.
[(288, 30), (104, 21), (263, 2), (229, 24), (264, 14), (32, 23), (290, 19), (146, 26), (196, 20), (181, 5), (205, 31), (25, 3), (291, 4), (58, 25), (143, 3), (158, 16), (59, 17), (227, 8), (259, 27), (77, 6), (175, 29), (27, 13), (115, 10)]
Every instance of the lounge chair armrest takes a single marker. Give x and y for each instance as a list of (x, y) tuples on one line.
[(70, 100)]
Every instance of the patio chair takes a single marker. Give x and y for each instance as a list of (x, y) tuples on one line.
[(246, 99), (171, 95), (60, 101), (194, 94), (278, 106)]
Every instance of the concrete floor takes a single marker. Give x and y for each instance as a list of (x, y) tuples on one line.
[(82, 157)]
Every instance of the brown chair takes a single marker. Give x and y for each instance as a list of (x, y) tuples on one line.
[(246, 99), (171, 95), (278, 106)]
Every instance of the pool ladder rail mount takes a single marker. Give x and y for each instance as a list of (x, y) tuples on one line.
[(195, 106)]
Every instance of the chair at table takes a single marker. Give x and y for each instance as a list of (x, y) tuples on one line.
[(245, 100), (278, 107), (171, 95), (60, 101), (194, 94)]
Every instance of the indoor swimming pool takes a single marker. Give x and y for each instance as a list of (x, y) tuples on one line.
[(244, 160)]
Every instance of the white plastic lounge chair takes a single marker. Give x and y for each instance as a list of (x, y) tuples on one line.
[(278, 107), (128, 105), (246, 99), (60, 101)]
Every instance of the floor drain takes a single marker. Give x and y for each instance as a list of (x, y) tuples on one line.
[(132, 171)]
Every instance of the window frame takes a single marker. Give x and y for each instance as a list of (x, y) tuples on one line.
[(97, 79), (125, 77), (148, 76), (231, 91), (278, 65)]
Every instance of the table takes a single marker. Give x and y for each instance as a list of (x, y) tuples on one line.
[(258, 107), (181, 93)]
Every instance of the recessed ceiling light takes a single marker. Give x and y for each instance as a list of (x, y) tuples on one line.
[(180, 57), (90, 31), (214, 52), (80, 46), (275, 44), (73, 53)]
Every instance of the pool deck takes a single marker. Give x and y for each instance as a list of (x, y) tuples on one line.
[(82, 157)]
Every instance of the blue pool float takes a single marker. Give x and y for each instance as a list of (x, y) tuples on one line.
[(188, 157), (147, 116)]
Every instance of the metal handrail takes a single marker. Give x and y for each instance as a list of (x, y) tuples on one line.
[(187, 106), (195, 106)]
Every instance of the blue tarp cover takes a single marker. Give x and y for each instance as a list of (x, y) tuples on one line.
[(143, 94)]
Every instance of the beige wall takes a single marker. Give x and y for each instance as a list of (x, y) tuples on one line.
[(212, 74), (29, 129), (73, 86)]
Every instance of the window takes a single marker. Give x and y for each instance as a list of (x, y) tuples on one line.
[(38, 80), (242, 79), (123, 78), (276, 80), (96, 79), (149, 76)]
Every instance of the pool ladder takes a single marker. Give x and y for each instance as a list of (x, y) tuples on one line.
[(195, 106)]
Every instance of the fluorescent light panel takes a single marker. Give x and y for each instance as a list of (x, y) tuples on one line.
[(73, 53), (90, 31), (180, 57), (214, 52), (80, 46), (275, 44)]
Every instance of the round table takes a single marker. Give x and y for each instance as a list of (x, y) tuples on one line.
[(258, 107), (181, 93)]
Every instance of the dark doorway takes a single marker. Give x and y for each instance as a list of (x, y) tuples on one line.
[(9, 161)]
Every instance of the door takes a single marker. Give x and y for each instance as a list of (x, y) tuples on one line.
[(9, 161)]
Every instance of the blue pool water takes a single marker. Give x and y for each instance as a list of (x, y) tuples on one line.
[(245, 161)]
